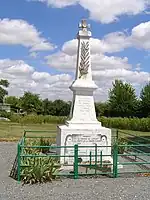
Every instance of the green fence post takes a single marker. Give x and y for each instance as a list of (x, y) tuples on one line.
[(117, 134), (75, 161), (115, 160), (90, 159), (95, 158), (101, 159), (24, 137), (19, 163)]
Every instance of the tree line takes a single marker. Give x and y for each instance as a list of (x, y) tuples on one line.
[(122, 102)]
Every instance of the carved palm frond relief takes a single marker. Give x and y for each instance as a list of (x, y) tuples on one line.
[(84, 64)]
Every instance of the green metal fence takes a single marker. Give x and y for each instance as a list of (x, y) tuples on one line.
[(126, 152), (136, 156)]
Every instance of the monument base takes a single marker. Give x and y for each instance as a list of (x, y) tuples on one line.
[(87, 137)]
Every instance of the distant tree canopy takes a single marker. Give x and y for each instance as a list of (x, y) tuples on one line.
[(122, 102), (31, 103), (102, 109), (122, 99), (3, 92), (145, 100), (14, 102), (56, 108)]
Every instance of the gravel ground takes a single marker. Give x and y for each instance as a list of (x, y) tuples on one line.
[(83, 189)]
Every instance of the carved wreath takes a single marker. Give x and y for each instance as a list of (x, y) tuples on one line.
[(84, 64)]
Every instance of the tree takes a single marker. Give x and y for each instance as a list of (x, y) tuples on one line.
[(14, 102), (122, 99), (56, 108), (31, 103), (47, 107), (102, 109), (61, 108), (145, 100), (3, 92)]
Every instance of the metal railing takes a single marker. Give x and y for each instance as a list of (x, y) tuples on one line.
[(97, 164)]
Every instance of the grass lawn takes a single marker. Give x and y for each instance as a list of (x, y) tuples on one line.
[(13, 131), (136, 133)]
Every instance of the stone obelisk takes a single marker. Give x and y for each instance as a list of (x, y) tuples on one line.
[(83, 128), (83, 108)]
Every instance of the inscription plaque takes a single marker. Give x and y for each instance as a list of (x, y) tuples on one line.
[(84, 105), (89, 141)]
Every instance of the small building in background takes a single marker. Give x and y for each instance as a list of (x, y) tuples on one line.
[(5, 107)]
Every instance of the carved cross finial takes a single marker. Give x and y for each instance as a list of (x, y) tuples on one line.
[(83, 25)]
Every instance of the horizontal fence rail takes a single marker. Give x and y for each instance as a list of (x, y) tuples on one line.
[(96, 163)]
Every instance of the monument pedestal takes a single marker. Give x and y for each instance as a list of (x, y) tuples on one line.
[(83, 128), (84, 135)]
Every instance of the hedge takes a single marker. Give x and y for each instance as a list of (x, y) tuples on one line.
[(38, 119), (136, 124)]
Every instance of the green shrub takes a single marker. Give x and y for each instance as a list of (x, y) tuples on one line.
[(38, 142), (38, 170), (54, 119), (5, 114), (45, 142), (15, 118), (135, 124), (31, 119), (37, 119)]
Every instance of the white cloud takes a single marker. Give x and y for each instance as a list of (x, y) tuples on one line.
[(113, 42), (58, 3), (141, 35), (108, 11), (65, 60), (105, 68), (19, 32), (138, 67), (62, 61), (23, 77), (105, 11), (124, 74)]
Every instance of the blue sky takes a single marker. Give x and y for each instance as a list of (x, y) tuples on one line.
[(55, 23)]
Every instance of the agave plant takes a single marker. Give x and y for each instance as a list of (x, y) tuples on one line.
[(45, 142), (28, 150), (39, 170)]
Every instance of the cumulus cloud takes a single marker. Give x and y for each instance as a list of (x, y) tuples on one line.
[(123, 74), (115, 41), (112, 42), (20, 32), (58, 3), (141, 35), (105, 11), (65, 62), (105, 68), (23, 77)]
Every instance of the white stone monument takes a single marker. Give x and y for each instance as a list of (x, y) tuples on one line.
[(83, 128)]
